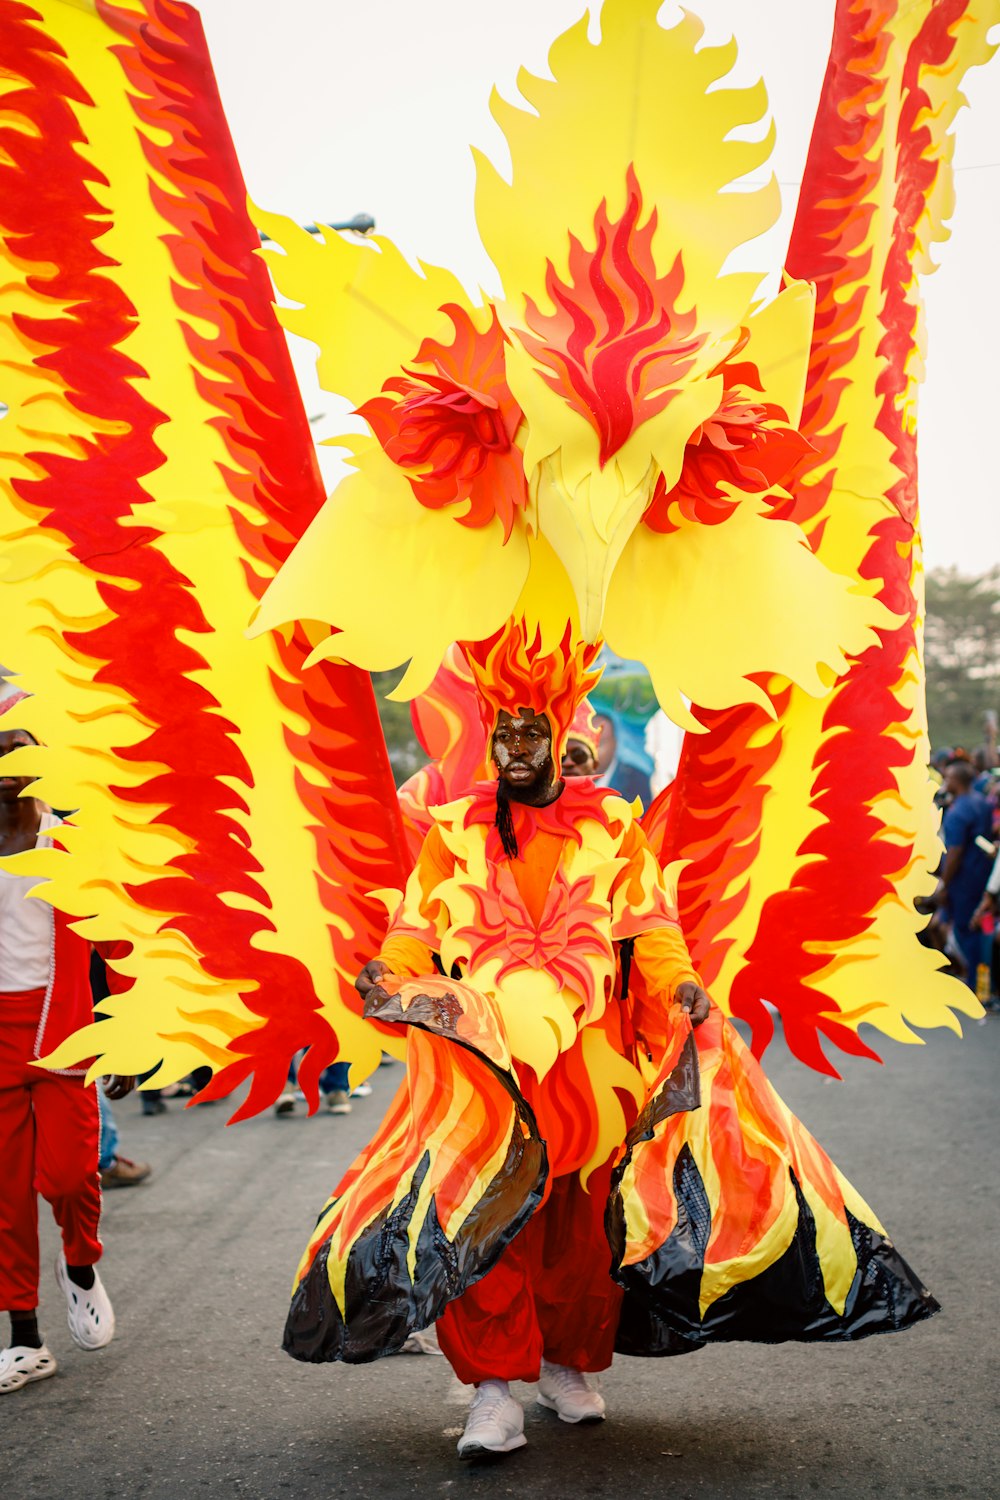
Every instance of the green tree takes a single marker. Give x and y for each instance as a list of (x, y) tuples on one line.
[(405, 753), (962, 654)]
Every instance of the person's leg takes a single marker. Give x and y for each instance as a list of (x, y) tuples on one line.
[(18, 1203), (336, 1089), (490, 1336), (578, 1303), (491, 1331), (969, 941), (108, 1149), (67, 1130), (336, 1076), (67, 1136), (25, 1357)]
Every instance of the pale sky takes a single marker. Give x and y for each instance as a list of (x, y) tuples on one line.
[(372, 105)]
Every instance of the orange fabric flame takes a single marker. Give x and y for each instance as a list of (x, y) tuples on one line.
[(747, 444), (616, 346), (452, 426), (749, 1168), (512, 673)]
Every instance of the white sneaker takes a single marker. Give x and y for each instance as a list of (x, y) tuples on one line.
[(338, 1102), (495, 1423), (20, 1365), (286, 1104), (363, 1091), (90, 1315), (567, 1392)]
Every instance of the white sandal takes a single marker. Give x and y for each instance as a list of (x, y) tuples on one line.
[(90, 1315), (19, 1365)]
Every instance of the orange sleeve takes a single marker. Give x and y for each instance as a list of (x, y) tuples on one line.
[(406, 956), (663, 961), (416, 930)]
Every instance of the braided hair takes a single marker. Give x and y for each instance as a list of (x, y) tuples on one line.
[(504, 822)]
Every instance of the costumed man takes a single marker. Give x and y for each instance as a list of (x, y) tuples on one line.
[(49, 1120), (539, 1315), (537, 947)]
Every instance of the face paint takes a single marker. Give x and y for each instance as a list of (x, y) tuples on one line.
[(522, 752)]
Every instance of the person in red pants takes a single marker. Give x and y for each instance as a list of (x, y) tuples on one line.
[(49, 1121)]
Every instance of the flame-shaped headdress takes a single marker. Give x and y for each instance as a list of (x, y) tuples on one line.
[(512, 672), (586, 729)]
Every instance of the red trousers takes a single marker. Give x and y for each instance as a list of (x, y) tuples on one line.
[(550, 1294), (49, 1141)]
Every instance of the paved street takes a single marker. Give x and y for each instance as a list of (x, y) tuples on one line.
[(195, 1398)]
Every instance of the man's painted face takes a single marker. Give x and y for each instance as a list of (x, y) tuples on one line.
[(522, 750), (578, 759), (11, 787)]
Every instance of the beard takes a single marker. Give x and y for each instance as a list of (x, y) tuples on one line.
[(533, 796)]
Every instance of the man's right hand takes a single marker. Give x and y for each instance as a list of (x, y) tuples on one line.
[(368, 980)]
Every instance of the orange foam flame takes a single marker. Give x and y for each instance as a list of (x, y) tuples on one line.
[(512, 672)]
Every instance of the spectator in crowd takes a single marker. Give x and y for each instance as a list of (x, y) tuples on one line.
[(985, 918), (623, 762), (49, 1122), (334, 1085), (583, 744), (966, 825), (116, 1170)]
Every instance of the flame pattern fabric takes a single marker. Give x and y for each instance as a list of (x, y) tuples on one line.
[(158, 469)]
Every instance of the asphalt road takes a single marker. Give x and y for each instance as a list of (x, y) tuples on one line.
[(194, 1397)]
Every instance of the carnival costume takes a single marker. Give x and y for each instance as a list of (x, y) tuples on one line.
[(714, 473)]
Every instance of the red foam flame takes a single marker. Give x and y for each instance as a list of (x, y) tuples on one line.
[(451, 426), (747, 445), (617, 347)]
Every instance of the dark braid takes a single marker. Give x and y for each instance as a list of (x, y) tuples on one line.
[(505, 822)]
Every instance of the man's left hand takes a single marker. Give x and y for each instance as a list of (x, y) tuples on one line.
[(118, 1085), (694, 1001)]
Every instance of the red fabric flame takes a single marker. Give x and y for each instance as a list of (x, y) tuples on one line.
[(747, 444), (452, 427), (616, 346), (710, 816)]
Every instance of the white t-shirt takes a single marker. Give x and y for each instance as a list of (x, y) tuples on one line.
[(25, 926)]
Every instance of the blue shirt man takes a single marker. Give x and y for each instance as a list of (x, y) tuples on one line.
[(966, 865)]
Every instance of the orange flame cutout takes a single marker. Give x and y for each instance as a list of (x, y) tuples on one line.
[(513, 673), (563, 943), (452, 427), (616, 346)]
